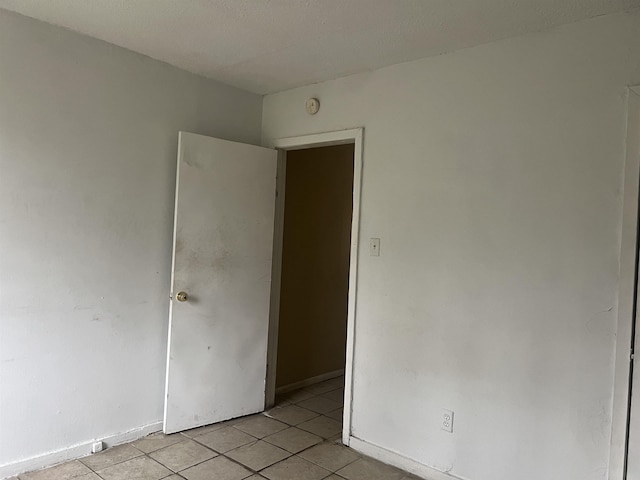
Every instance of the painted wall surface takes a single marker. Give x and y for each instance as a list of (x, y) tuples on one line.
[(88, 141), (493, 177), (312, 330)]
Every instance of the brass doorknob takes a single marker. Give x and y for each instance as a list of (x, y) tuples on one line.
[(182, 296)]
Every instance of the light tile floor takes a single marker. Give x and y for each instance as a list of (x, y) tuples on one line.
[(299, 439)]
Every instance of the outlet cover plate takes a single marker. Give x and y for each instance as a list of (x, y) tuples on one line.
[(447, 420)]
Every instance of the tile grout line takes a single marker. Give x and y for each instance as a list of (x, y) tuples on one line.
[(290, 454), (253, 471), (142, 454)]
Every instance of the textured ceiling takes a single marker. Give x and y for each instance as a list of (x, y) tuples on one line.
[(271, 45)]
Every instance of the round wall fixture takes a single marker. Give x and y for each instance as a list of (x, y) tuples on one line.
[(312, 106)]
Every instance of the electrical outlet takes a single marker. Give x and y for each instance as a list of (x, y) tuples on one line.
[(97, 447), (447, 420)]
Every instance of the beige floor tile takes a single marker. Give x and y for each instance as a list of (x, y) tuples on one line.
[(111, 456), (293, 439), (235, 421), (64, 471), (292, 414), (369, 469), (338, 381), (297, 396), (140, 468), (219, 468), (156, 441), (88, 476), (182, 455), (295, 468), (195, 432), (336, 414), (323, 387), (175, 476), (258, 455), (320, 404), (225, 439), (282, 401), (260, 426), (331, 456), (335, 395), (323, 426)]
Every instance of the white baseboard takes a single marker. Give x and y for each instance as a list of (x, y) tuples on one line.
[(397, 460), (309, 381), (75, 451)]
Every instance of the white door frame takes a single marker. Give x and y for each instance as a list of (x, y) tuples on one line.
[(342, 137), (627, 301)]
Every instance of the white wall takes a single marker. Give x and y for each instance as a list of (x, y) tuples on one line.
[(493, 177), (88, 139)]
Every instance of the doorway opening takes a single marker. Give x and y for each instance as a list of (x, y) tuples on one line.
[(314, 283), (313, 300)]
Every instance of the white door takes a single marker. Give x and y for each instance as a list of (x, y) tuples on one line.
[(223, 241)]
